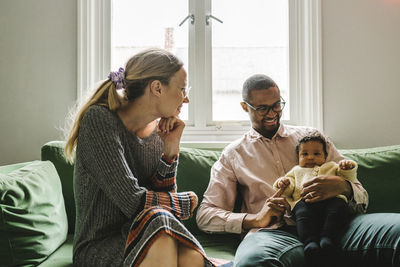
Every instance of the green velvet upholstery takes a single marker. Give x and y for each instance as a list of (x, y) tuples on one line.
[(62, 257), (54, 151), (33, 221), (9, 168), (379, 171), (194, 177), (222, 246)]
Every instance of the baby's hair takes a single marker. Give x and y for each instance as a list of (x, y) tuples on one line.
[(312, 137)]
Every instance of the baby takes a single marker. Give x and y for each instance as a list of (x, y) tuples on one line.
[(320, 222)]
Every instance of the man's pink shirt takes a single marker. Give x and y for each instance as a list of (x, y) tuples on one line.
[(251, 165)]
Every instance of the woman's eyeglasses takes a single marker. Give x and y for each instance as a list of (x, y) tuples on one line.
[(185, 91)]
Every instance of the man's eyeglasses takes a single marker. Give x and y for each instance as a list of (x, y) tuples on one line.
[(264, 109), (185, 91)]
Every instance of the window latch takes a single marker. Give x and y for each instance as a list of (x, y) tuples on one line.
[(208, 17), (190, 16)]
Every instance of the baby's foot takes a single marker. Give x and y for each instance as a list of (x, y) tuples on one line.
[(311, 249), (326, 243), (312, 253), (329, 251)]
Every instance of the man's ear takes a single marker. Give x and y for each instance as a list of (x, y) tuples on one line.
[(156, 88), (244, 106)]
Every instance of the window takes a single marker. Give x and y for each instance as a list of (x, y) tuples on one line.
[(220, 47), (253, 38), (151, 27)]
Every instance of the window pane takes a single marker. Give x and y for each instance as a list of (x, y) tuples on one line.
[(137, 25), (253, 38)]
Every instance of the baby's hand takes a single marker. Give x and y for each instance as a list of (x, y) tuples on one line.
[(283, 182), (346, 164)]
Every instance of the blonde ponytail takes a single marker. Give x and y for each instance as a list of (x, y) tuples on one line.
[(142, 68), (106, 95)]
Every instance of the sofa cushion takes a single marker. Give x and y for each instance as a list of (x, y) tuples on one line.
[(33, 222), (12, 167), (62, 257), (379, 173)]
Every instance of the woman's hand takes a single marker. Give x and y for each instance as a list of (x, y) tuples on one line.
[(170, 130), (195, 202)]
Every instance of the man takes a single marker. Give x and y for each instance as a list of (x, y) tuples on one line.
[(251, 165)]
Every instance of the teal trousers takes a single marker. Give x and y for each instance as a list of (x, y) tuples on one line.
[(370, 240)]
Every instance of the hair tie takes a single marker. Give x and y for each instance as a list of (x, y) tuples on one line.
[(117, 78)]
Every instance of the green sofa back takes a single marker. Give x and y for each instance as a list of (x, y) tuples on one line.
[(54, 151), (379, 172)]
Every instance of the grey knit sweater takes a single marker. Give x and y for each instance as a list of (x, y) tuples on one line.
[(113, 183)]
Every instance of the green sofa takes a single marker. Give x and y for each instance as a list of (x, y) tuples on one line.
[(379, 172)]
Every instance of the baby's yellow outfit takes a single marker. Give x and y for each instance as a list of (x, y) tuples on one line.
[(299, 175)]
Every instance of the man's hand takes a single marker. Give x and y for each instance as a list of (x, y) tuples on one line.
[(272, 211), (325, 186)]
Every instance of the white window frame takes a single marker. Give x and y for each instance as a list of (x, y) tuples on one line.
[(305, 65)]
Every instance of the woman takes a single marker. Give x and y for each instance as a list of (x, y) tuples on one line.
[(128, 210)]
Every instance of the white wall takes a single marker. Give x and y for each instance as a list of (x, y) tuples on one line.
[(361, 72), (37, 74)]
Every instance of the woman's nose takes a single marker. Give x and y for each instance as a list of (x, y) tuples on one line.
[(186, 99)]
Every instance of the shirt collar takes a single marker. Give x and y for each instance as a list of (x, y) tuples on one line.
[(282, 132)]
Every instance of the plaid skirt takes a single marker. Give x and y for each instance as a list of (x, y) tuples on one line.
[(149, 225)]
